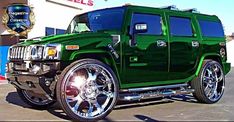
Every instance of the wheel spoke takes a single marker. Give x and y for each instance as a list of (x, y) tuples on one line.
[(213, 94), (206, 79), (220, 78), (90, 111), (79, 101), (69, 100), (99, 108), (109, 94), (207, 91)]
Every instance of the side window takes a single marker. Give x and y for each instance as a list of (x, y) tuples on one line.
[(211, 29), (49, 31), (60, 31), (180, 26), (153, 23), (54, 31)]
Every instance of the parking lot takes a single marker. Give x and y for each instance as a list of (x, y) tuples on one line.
[(176, 108)]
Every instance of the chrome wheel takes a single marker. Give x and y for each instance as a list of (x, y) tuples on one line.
[(90, 90), (36, 99), (213, 81)]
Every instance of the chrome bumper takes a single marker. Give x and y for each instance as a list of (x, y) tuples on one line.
[(22, 77)]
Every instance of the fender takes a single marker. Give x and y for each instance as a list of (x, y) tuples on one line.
[(203, 58), (102, 55)]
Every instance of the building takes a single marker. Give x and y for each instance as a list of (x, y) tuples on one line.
[(230, 49), (51, 17)]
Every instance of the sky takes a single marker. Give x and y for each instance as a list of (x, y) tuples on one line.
[(224, 9)]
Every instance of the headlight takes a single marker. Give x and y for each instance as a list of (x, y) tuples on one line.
[(36, 52), (52, 51)]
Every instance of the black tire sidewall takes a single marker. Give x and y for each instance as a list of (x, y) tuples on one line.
[(61, 86)]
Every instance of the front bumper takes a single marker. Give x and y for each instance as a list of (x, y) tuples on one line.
[(41, 82), (26, 82)]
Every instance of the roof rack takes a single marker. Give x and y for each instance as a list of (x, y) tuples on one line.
[(172, 7), (192, 10)]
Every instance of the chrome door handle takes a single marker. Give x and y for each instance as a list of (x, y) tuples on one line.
[(161, 43), (195, 44)]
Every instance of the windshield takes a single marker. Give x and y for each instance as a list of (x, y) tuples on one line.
[(101, 20)]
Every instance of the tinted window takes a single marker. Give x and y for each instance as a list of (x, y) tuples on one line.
[(100, 20), (49, 31), (211, 29), (180, 26), (60, 31), (153, 23)]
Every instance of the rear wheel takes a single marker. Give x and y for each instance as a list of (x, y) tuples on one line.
[(37, 101), (209, 86), (87, 90)]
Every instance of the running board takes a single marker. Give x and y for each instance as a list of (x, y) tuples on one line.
[(154, 88), (155, 92)]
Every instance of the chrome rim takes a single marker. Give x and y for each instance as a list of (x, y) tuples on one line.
[(213, 81), (37, 99), (90, 90)]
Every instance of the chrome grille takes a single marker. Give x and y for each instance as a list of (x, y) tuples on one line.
[(17, 52)]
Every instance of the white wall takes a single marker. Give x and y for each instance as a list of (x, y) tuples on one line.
[(52, 14), (230, 52)]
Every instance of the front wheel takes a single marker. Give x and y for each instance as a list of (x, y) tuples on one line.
[(87, 90), (209, 86), (37, 101)]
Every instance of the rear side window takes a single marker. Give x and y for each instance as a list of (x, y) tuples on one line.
[(211, 29), (180, 26), (153, 23)]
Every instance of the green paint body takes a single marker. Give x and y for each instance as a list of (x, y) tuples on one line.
[(145, 64)]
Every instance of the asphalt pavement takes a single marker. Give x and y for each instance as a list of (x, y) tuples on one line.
[(179, 108)]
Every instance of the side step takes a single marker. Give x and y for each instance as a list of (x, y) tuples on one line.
[(154, 92)]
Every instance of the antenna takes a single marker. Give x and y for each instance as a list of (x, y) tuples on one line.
[(172, 7), (192, 10)]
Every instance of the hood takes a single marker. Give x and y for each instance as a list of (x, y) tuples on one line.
[(69, 39)]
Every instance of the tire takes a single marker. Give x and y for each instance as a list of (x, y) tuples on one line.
[(209, 85), (87, 90), (35, 102)]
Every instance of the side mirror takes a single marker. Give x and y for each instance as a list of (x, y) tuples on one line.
[(138, 28)]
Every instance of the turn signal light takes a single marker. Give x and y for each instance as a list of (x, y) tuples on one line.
[(72, 47)]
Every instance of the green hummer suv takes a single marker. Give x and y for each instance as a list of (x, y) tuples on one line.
[(123, 53)]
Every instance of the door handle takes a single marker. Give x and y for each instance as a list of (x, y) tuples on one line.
[(195, 44), (161, 43)]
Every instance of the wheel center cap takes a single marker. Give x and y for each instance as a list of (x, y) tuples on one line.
[(91, 92)]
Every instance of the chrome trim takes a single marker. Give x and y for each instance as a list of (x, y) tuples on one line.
[(116, 39), (58, 48), (154, 88), (95, 86), (155, 94)]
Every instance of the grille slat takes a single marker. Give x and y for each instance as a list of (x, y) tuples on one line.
[(17, 53)]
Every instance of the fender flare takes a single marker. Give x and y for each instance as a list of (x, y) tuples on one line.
[(202, 59)]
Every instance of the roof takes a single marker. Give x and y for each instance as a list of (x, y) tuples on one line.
[(166, 9)]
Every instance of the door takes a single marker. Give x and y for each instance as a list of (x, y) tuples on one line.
[(146, 61), (184, 46)]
